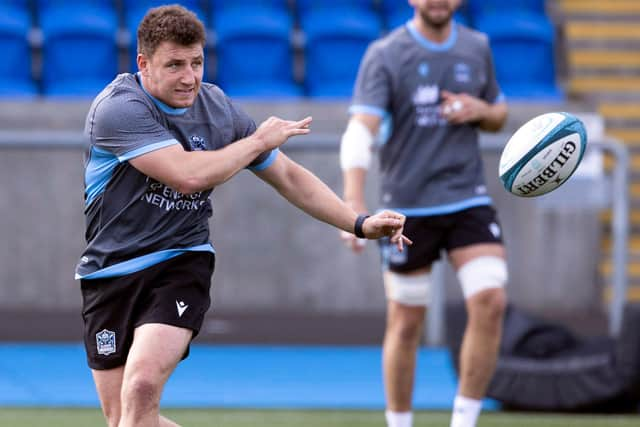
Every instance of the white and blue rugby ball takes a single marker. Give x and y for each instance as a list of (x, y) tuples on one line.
[(542, 154)]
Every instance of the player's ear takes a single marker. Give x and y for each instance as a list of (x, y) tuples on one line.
[(143, 64)]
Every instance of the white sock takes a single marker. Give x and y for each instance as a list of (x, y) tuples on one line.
[(399, 419), (465, 411)]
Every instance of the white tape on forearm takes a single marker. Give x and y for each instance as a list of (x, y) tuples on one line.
[(355, 147)]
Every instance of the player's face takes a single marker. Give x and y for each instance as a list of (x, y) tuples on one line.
[(173, 73), (435, 13)]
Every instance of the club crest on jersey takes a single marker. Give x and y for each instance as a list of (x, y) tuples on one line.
[(423, 69), (426, 94), (106, 342), (462, 72), (197, 143)]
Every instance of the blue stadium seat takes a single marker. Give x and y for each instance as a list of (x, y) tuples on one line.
[(477, 8), (134, 11), (254, 52), (13, 5), (218, 5), (336, 40), (91, 4), (79, 48), (305, 6), (15, 68), (397, 13), (523, 49)]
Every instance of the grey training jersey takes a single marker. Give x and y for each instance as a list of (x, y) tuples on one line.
[(428, 166), (133, 221)]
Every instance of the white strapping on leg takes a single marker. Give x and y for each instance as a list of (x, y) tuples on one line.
[(485, 272), (412, 289)]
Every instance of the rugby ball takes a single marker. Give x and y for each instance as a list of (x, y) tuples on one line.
[(542, 154)]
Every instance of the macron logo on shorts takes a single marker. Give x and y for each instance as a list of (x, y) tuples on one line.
[(182, 307)]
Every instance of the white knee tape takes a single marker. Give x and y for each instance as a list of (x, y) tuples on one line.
[(485, 272), (408, 290)]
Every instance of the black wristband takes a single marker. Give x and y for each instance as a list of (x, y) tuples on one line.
[(357, 228)]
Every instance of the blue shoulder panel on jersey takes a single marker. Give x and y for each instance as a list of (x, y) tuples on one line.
[(98, 173), (142, 262), (437, 47), (445, 209), (147, 149), (368, 109), (266, 162)]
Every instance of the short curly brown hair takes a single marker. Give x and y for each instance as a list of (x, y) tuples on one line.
[(171, 23)]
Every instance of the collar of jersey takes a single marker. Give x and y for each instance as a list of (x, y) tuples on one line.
[(428, 44), (161, 105)]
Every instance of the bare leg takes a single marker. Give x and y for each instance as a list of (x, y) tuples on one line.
[(108, 385), (402, 337), (481, 340), (155, 352)]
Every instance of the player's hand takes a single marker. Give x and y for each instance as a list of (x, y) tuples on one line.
[(352, 242), (460, 108), (274, 131), (386, 224)]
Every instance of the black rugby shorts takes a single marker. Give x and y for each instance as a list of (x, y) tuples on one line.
[(431, 234), (174, 292)]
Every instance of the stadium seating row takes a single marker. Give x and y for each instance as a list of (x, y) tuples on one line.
[(253, 46)]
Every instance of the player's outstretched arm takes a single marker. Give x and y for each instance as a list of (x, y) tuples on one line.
[(304, 190), (192, 171)]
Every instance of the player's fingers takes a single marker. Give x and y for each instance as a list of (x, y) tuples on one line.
[(304, 123), (390, 214), (357, 245), (400, 241), (446, 94), (294, 132), (346, 236), (391, 222)]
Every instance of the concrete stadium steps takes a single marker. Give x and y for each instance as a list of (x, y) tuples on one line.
[(600, 30), (633, 294), (633, 274), (630, 137), (605, 267), (594, 85), (604, 8), (597, 61), (602, 41), (633, 246)]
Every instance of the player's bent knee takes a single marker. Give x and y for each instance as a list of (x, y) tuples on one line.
[(487, 307), (482, 273), (412, 290)]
